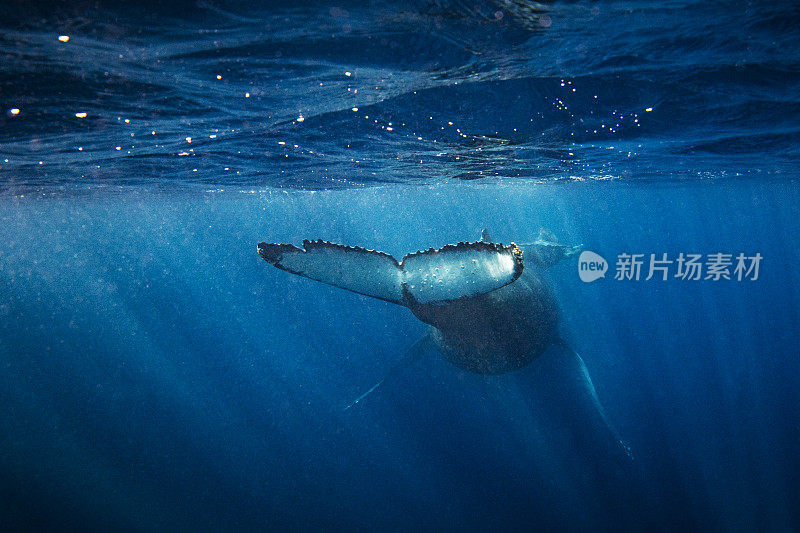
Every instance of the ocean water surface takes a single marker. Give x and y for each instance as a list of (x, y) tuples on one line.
[(157, 374)]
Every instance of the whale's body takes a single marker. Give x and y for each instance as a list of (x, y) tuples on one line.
[(491, 309), (495, 332), (489, 305)]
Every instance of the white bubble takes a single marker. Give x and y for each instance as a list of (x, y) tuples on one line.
[(591, 266)]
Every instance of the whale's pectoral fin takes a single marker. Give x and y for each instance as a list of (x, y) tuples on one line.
[(415, 353), (433, 276), (566, 372)]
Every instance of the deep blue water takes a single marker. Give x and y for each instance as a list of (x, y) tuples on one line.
[(156, 374)]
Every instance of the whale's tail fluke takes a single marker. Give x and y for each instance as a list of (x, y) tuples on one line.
[(455, 271)]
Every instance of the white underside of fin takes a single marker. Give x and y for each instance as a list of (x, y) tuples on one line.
[(455, 271), (359, 270), (458, 271)]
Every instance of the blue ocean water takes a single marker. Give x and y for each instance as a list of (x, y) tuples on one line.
[(156, 374)]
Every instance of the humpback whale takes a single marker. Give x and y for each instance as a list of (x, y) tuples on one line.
[(490, 308)]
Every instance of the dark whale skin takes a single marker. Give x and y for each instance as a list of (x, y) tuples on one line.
[(496, 332)]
